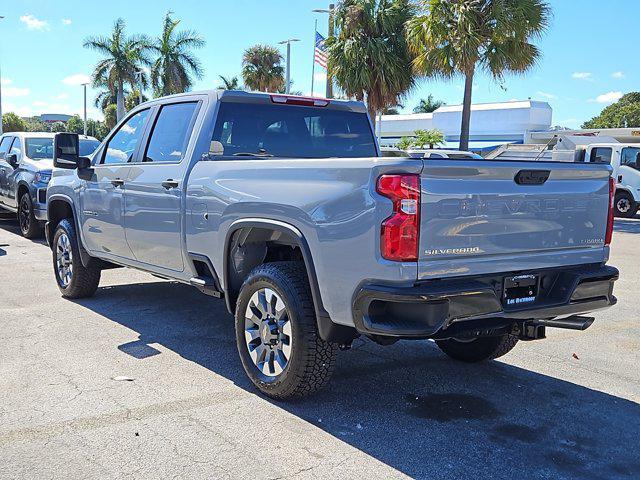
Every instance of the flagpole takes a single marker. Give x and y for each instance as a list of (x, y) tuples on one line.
[(313, 65)]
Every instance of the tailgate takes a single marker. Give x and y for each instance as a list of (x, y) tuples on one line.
[(493, 216)]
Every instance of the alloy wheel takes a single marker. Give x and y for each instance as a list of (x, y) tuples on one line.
[(268, 332), (24, 214), (64, 260)]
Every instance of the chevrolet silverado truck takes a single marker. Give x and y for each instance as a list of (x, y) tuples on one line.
[(284, 207)]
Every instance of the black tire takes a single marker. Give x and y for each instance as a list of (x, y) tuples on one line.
[(624, 204), (30, 226), (83, 281), (311, 359), (479, 349)]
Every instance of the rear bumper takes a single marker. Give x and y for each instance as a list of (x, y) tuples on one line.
[(430, 309)]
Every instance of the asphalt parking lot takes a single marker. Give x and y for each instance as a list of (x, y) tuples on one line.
[(143, 381)]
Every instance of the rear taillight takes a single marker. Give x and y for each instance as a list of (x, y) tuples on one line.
[(612, 195), (400, 232)]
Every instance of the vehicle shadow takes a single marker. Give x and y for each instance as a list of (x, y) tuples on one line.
[(627, 225), (408, 405), (9, 223)]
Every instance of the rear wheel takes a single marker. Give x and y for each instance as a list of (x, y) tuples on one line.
[(74, 279), (624, 204), (30, 227), (478, 349), (277, 333)]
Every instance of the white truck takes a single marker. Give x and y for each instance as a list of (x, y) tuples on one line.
[(624, 158)]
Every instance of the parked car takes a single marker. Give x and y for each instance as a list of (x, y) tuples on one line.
[(26, 160), (283, 206)]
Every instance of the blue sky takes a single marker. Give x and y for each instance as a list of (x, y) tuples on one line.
[(589, 52)]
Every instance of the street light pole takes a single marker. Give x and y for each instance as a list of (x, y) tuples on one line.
[(288, 74), (331, 33), (85, 108)]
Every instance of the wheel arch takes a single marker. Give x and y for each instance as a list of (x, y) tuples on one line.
[(259, 231), (59, 207), (265, 231)]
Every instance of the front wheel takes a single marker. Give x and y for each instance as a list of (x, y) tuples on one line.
[(625, 206), (30, 227), (277, 333), (74, 279), (478, 349)]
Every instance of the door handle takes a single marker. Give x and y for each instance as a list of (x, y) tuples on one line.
[(170, 183), (117, 182)]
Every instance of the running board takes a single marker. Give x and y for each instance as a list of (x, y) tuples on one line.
[(206, 285), (574, 322)]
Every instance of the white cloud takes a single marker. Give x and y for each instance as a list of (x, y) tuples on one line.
[(33, 23), (62, 96), (582, 75), (66, 21), (618, 74), (609, 97), (569, 122), (38, 103), (77, 79), (548, 96), (21, 111), (15, 92)]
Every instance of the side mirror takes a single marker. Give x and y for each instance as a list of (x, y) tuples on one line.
[(12, 159), (66, 150)]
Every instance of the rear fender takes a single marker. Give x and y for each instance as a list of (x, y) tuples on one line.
[(328, 330)]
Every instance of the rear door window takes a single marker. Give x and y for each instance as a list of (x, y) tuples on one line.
[(171, 133), (123, 143), (254, 130), (601, 154)]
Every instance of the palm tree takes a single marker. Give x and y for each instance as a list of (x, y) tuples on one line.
[(175, 65), (456, 37), (228, 83), (124, 56), (262, 68), (368, 56), (428, 105)]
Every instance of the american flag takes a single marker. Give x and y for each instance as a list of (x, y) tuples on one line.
[(320, 51)]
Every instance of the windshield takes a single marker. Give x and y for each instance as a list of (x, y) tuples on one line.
[(292, 131), (40, 148)]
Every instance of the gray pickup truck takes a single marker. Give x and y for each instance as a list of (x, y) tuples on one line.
[(283, 206)]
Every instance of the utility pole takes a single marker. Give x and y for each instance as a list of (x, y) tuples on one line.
[(85, 108), (288, 73)]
